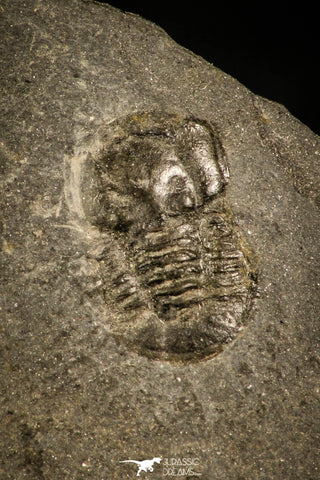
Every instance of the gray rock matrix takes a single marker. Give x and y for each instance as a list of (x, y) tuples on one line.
[(76, 399)]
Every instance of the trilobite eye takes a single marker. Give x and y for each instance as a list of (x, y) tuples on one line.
[(213, 178), (173, 189), (206, 156)]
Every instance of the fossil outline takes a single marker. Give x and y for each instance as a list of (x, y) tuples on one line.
[(160, 205)]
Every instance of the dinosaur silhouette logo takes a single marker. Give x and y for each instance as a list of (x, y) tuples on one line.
[(145, 465)]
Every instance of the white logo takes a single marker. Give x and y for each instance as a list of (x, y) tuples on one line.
[(181, 467), (145, 465)]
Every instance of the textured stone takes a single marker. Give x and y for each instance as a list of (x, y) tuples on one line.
[(75, 398)]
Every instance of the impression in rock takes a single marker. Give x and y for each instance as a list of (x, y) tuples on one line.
[(178, 278)]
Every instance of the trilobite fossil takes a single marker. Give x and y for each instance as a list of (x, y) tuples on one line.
[(178, 280)]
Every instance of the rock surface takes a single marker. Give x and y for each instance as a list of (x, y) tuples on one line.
[(75, 401)]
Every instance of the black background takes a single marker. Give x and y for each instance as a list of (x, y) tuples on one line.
[(271, 48)]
